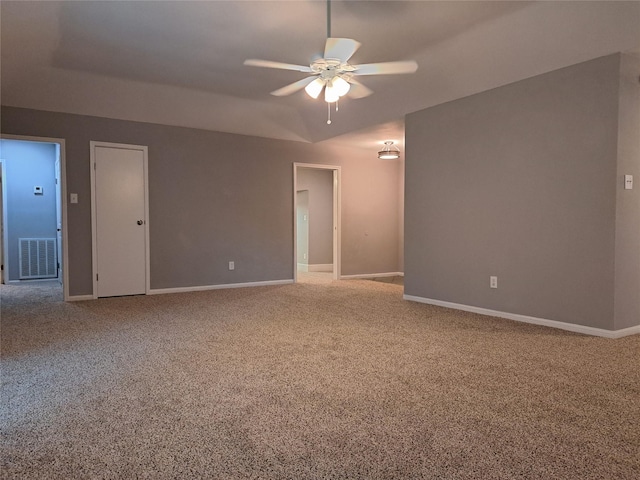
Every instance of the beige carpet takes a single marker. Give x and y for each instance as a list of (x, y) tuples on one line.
[(314, 380)]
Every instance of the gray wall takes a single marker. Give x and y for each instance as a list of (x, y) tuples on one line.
[(521, 182), (369, 193), (627, 279), (28, 164), (216, 197), (319, 184)]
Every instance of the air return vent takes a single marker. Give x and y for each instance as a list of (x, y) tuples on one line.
[(37, 258)]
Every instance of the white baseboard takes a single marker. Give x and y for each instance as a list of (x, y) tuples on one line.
[(303, 267), (373, 275), (625, 332), (200, 288), (598, 332), (79, 298), (321, 267)]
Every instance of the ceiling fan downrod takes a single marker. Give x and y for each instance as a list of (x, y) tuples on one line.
[(328, 18), (329, 36)]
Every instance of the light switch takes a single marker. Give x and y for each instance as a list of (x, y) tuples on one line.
[(73, 198), (38, 191), (628, 182)]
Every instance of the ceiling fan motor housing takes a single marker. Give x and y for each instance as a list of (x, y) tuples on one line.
[(328, 68)]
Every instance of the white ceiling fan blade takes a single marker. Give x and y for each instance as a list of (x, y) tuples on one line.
[(340, 48), (293, 87), (252, 62), (386, 68), (358, 90)]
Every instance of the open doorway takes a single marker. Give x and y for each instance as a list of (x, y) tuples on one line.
[(33, 211), (316, 220)]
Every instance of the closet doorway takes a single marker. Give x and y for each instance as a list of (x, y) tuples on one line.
[(34, 210)]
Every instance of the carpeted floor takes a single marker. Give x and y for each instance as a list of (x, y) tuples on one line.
[(306, 381)]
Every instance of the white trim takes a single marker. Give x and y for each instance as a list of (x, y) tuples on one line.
[(337, 216), (80, 298), (94, 229), (321, 267), (373, 275), (63, 203), (5, 233), (200, 288), (624, 332), (337, 222), (295, 223), (92, 158), (303, 267), (598, 332)]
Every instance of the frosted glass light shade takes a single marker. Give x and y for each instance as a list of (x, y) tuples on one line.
[(314, 88), (331, 94), (341, 86), (389, 152)]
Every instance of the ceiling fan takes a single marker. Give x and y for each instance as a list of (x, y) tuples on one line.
[(333, 73)]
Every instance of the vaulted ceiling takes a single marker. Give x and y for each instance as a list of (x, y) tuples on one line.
[(181, 63)]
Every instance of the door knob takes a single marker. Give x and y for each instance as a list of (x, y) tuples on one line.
[(140, 222)]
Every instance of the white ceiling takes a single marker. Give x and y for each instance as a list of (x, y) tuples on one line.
[(181, 63)]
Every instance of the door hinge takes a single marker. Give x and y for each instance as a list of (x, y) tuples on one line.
[(1, 267), (96, 277)]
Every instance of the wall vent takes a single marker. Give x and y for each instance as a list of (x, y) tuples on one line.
[(37, 258)]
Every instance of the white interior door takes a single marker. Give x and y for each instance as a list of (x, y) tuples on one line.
[(303, 230), (120, 220)]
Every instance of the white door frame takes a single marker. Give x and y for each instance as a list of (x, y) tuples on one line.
[(63, 203), (94, 224), (337, 216), (3, 215)]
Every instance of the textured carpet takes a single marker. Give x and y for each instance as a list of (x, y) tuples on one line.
[(315, 380)]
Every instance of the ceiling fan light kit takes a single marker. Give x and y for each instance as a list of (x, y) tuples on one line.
[(334, 89), (333, 73), (389, 152)]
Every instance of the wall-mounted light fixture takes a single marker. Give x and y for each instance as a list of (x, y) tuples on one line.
[(389, 152)]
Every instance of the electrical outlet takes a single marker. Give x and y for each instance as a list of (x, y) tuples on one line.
[(232, 265), (304, 255), (628, 182), (493, 282)]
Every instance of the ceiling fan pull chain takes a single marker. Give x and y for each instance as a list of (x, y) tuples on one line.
[(336, 105), (328, 114)]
